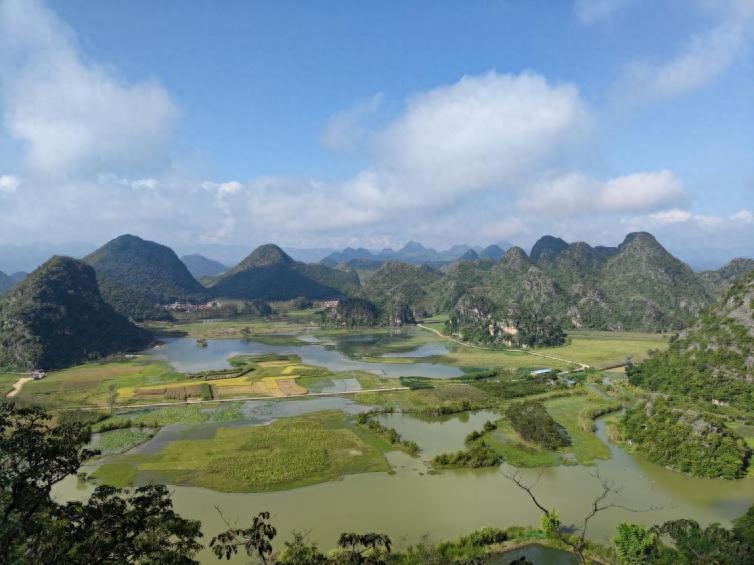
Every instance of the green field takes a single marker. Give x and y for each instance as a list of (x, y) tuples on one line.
[(595, 348), (88, 384), (285, 454), (586, 445), (118, 441), (607, 349)]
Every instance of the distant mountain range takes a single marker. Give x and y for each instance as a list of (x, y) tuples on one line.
[(57, 317), (414, 253), (9, 281), (200, 266)]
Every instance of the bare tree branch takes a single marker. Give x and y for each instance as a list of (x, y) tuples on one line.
[(599, 504), (516, 478)]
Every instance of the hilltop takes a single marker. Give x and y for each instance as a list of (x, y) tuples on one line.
[(134, 275), (200, 266), (57, 318), (269, 273)]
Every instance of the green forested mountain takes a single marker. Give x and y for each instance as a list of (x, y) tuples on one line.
[(135, 275), (719, 282), (547, 246), (352, 313), (492, 252), (650, 288), (200, 266), (271, 274), (713, 360), (637, 285), (57, 317), (401, 291), (478, 319)]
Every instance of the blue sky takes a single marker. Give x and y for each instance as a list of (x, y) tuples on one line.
[(334, 123)]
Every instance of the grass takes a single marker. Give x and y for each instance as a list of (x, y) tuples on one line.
[(118, 441), (285, 454), (481, 358), (596, 348), (88, 384), (159, 417), (517, 452), (606, 349), (7, 380), (443, 392), (586, 445)]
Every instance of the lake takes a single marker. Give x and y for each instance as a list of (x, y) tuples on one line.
[(410, 503), (183, 354)]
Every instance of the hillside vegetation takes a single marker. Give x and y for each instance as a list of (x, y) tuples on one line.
[(637, 286), (135, 275), (713, 360), (269, 273), (685, 440), (57, 318)]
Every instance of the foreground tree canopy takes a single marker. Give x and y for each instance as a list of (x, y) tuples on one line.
[(113, 526)]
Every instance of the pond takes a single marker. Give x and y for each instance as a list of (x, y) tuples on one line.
[(184, 355), (537, 554), (438, 435)]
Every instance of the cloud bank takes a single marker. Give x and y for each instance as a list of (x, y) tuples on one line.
[(490, 156)]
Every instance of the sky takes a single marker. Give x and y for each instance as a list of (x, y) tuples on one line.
[(206, 125)]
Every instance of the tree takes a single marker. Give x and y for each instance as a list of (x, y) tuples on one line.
[(113, 526), (364, 549), (301, 552), (551, 523), (743, 526), (577, 540), (635, 544), (714, 544), (256, 539)]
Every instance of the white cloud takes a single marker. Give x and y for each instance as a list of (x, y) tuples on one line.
[(640, 192), (674, 216), (746, 216), (348, 129), (70, 114), (9, 183), (149, 184), (594, 11), (706, 55), (575, 194), (484, 132)]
